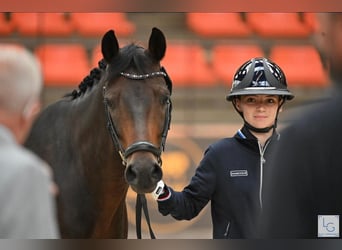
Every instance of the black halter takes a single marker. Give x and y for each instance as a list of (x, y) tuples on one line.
[(140, 145)]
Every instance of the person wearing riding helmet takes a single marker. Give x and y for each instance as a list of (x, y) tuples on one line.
[(230, 175)]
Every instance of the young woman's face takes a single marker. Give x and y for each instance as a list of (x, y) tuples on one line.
[(258, 110)]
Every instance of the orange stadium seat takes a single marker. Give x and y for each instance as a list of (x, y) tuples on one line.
[(311, 20), (187, 65), (301, 63), (227, 58), (63, 64), (46, 24), (96, 24), (96, 56), (217, 24), (278, 24), (6, 25), (26, 23)]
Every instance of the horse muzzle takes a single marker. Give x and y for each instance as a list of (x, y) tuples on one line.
[(143, 171)]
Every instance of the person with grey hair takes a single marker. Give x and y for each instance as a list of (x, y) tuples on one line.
[(27, 192)]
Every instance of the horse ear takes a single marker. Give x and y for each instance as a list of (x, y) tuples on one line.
[(157, 44), (109, 46)]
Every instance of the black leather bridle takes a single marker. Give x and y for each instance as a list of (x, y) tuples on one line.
[(141, 145)]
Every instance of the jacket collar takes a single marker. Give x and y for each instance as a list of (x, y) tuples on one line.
[(244, 136)]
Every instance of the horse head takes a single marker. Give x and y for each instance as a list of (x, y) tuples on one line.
[(136, 92)]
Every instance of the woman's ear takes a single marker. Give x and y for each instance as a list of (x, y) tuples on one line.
[(281, 103), (237, 103)]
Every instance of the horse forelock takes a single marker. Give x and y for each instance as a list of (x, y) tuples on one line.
[(131, 58)]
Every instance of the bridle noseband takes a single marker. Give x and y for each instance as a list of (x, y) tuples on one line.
[(140, 145)]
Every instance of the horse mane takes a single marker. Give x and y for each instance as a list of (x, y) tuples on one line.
[(131, 55), (88, 82)]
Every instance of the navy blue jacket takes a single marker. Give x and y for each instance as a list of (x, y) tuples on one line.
[(230, 176)]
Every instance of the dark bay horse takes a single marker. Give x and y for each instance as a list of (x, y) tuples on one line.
[(106, 136)]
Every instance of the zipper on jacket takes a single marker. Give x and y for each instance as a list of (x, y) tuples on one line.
[(227, 230), (262, 162)]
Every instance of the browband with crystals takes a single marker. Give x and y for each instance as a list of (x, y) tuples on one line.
[(144, 76)]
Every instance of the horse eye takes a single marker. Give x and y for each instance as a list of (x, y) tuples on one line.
[(164, 100)]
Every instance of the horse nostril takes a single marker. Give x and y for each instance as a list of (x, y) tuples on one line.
[(131, 174), (156, 172)]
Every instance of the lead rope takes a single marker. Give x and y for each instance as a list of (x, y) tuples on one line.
[(142, 204)]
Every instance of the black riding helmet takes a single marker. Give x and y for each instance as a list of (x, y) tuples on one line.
[(259, 76)]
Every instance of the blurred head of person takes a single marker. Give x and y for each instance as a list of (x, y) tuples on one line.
[(328, 38), (20, 89)]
